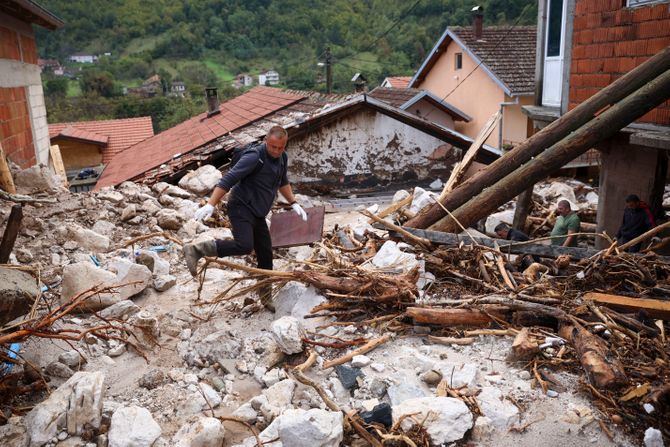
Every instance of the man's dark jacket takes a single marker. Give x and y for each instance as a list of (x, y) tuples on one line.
[(635, 222)]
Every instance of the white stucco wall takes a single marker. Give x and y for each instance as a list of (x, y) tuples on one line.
[(364, 144)]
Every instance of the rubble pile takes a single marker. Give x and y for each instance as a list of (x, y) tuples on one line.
[(375, 340)]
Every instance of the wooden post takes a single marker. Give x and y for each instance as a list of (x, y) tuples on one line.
[(11, 231), (550, 135), (6, 180), (57, 160), (600, 128), (523, 203)]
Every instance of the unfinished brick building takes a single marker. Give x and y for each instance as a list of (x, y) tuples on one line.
[(24, 134), (585, 45)]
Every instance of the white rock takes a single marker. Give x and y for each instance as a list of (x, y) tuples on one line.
[(399, 195), (121, 310), (391, 259), (297, 300), (405, 391), (212, 396), (280, 394), (37, 178), (200, 431), (503, 414), (273, 376), (436, 184), (483, 429), (129, 212), (111, 196), (72, 358), (171, 190), (653, 438), (421, 199), (288, 333), (591, 199), (88, 239), (133, 426), (247, 413), (649, 408), (360, 361), (74, 406), (147, 328), (130, 272), (459, 374), (559, 191), (378, 367), (494, 219), (446, 419), (13, 433), (104, 227), (164, 282), (312, 428), (202, 180)]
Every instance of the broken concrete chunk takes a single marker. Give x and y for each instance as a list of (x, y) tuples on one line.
[(200, 431), (164, 282), (400, 195), (89, 239), (136, 277), (503, 414), (18, 292), (13, 433), (37, 178), (75, 406), (121, 310), (312, 428), (72, 358), (169, 219), (421, 199), (171, 190), (211, 395), (201, 181), (280, 394), (104, 227), (128, 212), (133, 427), (82, 276), (58, 369), (360, 361), (111, 195), (405, 391), (445, 419), (246, 413), (288, 333)]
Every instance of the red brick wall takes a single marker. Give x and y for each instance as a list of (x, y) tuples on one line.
[(609, 40), (17, 46), (16, 135)]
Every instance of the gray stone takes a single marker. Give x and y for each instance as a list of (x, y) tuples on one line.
[(445, 419), (348, 376), (280, 394), (431, 377), (57, 369), (312, 428), (297, 300), (153, 261), (13, 433), (169, 219), (288, 333), (246, 413), (653, 438), (128, 212), (360, 361), (72, 358), (129, 272), (121, 310), (23, 256), (171, 190), (37, 178), (18, 292), (88, 239), (459, 374), (200, 431), (150, 207), (503, 414), (164, 282), (405, 391), (148, 329), (104, 227), (202, 180), (212, 396), (133, 427), (75, 406), (152, 379)]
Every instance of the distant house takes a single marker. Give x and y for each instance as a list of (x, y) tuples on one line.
[(482, 70), (584, 47), (270, 77), (243, 80), (50, 64), (93, 144), (178, 88), (83, 58), (396, 81), (24, 135)]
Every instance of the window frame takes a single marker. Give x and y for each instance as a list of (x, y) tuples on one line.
[(458, 61), (641, 3)]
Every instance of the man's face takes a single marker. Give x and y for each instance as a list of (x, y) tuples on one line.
[(275, 145), (502, 234), (632, 204), (562, 210)]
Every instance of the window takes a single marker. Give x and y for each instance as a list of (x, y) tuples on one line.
[(634, 3), (555, 28), (459, 61)]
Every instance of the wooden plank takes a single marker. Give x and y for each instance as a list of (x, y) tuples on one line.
[(394, 207), (456, 317), (517, 248), (655, 308), (287, 229), (57, 160), (6, 180), (11, 231), (462, 166)]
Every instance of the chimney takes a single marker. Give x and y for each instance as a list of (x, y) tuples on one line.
[(212, 101), (478, 21)]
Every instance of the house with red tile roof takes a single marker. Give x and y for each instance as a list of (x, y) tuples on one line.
[(482, 70), (87, 144), (396, 81)]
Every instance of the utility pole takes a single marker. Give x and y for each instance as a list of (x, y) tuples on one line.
[(329, 71)]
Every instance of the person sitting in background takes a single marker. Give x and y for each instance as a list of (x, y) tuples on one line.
[(636, 221), (505, 232), (566, 226)]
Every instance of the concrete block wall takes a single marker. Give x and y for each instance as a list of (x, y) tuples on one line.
[(610, 39), (24, 132)]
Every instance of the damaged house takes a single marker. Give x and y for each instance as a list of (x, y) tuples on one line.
[(358, 140)]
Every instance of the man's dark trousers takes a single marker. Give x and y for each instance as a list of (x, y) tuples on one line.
[(249, 233)]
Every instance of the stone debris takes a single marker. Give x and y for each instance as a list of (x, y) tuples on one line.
[(200, 431), (18, 292), (202, 180), (133, 426), (288, 333), (446, 419), (653, 438), (502, 413)]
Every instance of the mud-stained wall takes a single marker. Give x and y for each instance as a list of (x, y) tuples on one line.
[(368, 147)]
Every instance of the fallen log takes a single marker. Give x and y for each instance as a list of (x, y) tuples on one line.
[(550, 135), (456, 317), (602, 367), (604, 126), (655, 308), (523, 349)]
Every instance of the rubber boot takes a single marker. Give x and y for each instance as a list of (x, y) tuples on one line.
[(193, 253), (265, 295)]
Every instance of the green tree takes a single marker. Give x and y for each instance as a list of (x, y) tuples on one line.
[(56, 87)]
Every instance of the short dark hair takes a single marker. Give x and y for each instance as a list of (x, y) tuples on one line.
[(277, 131), (502, 226), (632, 198), (565, 203)]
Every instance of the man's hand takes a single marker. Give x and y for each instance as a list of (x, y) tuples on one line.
[(204, 212), (299, 211)]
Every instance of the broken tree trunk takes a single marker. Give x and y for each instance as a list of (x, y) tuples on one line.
[(655, 308), (602, 367), (11, 232), (600, 128), (456, 317), (523, 203), (545, 138)]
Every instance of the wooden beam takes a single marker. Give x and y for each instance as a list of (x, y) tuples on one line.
[(11, 231), (6, 180), (655, 308), (57, 160), (455, 317), (394, 207), (547, 137)]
